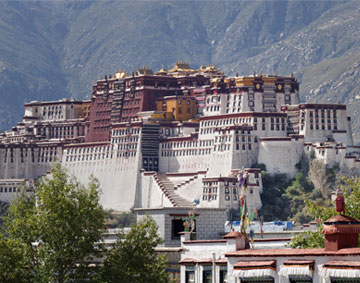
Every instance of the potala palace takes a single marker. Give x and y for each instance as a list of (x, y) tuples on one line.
[(174, 137)]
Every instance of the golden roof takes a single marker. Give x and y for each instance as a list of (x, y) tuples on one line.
[(161, 71), (211, 68), (121, 74), (182, 67), (144, 71)]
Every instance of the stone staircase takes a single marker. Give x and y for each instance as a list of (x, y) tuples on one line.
[(186, 182), (169, 190)]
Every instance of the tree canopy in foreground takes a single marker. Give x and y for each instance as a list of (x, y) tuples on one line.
[(55, 230), (133, 258)]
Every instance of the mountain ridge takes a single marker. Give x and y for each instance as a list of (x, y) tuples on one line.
[(55, 49)]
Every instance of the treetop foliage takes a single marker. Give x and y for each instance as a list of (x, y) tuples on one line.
[(133, 259), (58, 226)]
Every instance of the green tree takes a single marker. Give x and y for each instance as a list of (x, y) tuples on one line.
[(296, 194), (4, 206), (351, 188), (275, 206), (133, 257), (59, 226), (15, 266)]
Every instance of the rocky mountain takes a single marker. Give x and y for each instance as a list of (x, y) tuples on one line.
[(55, 49)]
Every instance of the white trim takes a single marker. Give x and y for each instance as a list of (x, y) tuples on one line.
[(326, 273), (285, 271), (254, 273)]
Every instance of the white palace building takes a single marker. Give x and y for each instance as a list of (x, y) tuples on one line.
[(172, 138), (168, 141)]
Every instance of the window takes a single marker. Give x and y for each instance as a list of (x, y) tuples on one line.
[(207, 274), (257, 280), (223, 275), (177, 226), (298, 279), (341, 280), (190, 274)]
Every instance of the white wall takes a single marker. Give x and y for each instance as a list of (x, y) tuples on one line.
[(281, 156)]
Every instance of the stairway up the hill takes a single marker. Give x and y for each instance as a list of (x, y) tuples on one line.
[(170, 189)]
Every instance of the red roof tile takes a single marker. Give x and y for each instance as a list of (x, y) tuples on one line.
[(292, 252), (255, 264), (341, 218), (193, 261), (204, 260), (205, 241), (346, 264), (221, 261), (187, 260), (298, 262)]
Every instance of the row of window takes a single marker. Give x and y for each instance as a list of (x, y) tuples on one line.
[(124, 140), (223, 122), (126, 154), (185, 152), (89, 149), (210, 190), (200, 143), (103, 104), (130, 110), (9, 190), (206, 274), (323, 127), (65, 130), (53, 114), (246, 138), (233, 110), (102, 113), (132, 102), (209, 197), (123, 132), (88, 157), (316, 113), (213, 108), (101, 129)]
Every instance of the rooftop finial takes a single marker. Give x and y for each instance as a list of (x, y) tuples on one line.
[(340, 201)]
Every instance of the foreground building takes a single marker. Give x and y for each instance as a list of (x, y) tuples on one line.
[(227, 260), (177, 138)]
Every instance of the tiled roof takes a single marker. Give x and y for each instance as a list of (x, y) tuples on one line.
[(345, 264), (255, 265), (193, 260), (204, 241), (292, 252), (221, 261), (342, 218), (298, 262)]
